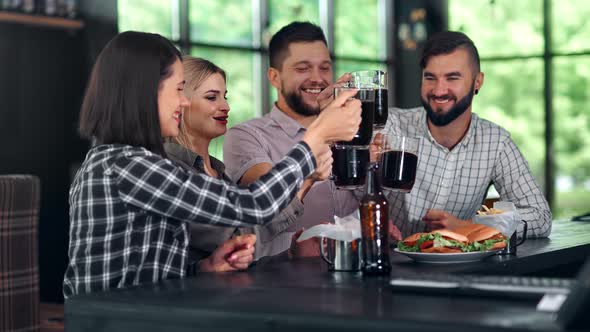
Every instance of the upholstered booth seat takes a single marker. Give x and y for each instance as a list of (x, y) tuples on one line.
[(19, 272)]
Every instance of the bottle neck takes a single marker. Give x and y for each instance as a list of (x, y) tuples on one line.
[(373, 180)]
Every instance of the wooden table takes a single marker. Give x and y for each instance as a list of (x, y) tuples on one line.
[(302, 295)]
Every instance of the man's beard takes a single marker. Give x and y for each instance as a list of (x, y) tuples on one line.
[(443, 119), (295, 102)]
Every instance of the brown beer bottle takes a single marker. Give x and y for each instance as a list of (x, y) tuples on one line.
[(374, 213)]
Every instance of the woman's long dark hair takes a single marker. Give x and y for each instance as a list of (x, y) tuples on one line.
[(121, 101)]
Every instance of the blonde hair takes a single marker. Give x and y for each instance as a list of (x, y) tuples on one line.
[(196, 71)]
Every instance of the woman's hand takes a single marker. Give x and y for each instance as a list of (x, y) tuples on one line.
[(324, 168), (338, 122), (322, 172), (234, 254)]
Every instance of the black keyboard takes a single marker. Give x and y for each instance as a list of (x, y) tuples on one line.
[(525, 287)]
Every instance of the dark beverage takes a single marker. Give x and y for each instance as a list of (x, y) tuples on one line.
[(380, 108), (350, 166), (374, 213), (398, 170), (365, 132)]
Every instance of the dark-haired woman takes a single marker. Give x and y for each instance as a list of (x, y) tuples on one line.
[(129, 205)]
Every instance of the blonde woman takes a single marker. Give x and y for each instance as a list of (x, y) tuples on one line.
[(204, 120)]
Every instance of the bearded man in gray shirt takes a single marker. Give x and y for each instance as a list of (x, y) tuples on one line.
[(300, 68)]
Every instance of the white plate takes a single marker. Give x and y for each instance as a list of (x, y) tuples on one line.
[(463, 257)]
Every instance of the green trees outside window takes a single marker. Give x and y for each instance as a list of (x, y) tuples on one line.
[(356, 30), (283, 12), (222, 22), (510, 39), (149, 16)]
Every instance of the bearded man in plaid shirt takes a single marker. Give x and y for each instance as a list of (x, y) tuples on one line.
[(460, 154)]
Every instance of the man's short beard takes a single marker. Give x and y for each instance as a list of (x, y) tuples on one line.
[(296, 103), (441, 120)]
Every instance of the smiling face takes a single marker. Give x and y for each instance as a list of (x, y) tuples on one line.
[(171, 101), (208, 112), (304, 73), (448, 85)]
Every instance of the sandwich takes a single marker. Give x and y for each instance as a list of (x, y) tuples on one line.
[(469, 238), (482, 237), (439, 241)]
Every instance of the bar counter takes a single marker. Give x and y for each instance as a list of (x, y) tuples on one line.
[(302, 295)]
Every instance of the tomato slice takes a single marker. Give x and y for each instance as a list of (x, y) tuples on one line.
[(426, 244)]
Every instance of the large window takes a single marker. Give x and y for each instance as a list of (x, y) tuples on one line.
[(283, 12), (511, 40), (510, 35), (234, 34)]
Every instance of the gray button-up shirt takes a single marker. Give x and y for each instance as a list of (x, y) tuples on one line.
[(457, 180), (266, 140)]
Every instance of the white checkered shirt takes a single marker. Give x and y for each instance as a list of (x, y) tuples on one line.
[(457, 181), (130, 208)]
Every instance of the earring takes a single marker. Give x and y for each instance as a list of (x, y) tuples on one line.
[(476, 91)]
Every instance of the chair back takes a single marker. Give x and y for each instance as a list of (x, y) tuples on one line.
[(19, 268)]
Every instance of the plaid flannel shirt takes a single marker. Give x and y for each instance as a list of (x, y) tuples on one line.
[(130, 208), (457, 180)]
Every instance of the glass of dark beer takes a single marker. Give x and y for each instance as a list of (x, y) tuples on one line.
[(349, 168), (377, 80), (399, 162), (366, 95)]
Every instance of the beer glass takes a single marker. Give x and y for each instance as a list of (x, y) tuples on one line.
[(349, 167), (399, 162), (366, 95), (377, 80)]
